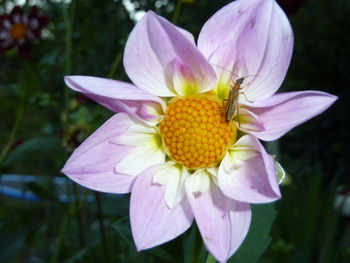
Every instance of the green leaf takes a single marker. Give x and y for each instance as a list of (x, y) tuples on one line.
[(161, 253), (10, 245), (43, 144), (122, 226), (81, 253), (258, 237), (193, 250), (42, 191), (188, 246)]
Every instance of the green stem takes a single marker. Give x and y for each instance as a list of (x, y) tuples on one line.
[(115, 65), (68, 21), (197, 247), (177, 11), (77, 209), (13, 133), (102, 231), (61, 235)]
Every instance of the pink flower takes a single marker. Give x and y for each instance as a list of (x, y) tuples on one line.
[(19, 29), (171, 146)]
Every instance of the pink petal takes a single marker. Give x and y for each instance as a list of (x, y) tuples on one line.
[(152, 47), (116, 95), (284, 111), (248, 121), (223, 222), (152, 222), (224, 27), (255, 180), (92, 163), (275, 56), (250, 37)]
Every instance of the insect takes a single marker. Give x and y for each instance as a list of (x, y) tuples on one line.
[(232, 101)]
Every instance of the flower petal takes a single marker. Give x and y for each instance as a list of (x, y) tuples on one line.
[(173, 176), (223, 222), (248, 121), (185, 81), (92, 163), (275, 56), (253, 178), (150, 51), (198, 183), (284, 111), (259, 43), (119, 96), (146, 148), (224, 27), (152, 222)]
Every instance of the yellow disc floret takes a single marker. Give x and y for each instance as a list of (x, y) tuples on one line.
[(194, 131)]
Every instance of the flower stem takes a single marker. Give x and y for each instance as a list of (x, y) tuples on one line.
[(78, 214), (102, 231), (210, 259), (61, 235), (115, 65), (13, 133), (68, 21), (177, 11), (197, 247)]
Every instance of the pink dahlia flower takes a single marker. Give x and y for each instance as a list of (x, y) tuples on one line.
[(20, 29), (169, 143)]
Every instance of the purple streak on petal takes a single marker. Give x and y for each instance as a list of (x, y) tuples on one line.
[(152, 45), (92, 163), (250, 37), (152, 222), (255, 181), (276, 57), (252, 41), (223, 222), (224, 27), (284, 111), (115, 95)]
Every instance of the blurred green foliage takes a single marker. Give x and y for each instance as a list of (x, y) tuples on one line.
[(88, 38)]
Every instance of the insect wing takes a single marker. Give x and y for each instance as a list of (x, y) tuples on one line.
[(231, 105)]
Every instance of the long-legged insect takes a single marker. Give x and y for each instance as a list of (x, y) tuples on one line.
[(232, 101)]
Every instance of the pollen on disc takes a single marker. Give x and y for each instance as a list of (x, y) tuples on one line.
[(195, 133)]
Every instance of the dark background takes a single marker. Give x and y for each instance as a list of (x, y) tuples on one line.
[(87, 38)]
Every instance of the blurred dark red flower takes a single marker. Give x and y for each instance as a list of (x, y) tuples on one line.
[(19, 29)]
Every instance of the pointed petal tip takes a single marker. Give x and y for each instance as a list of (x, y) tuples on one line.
[(152, 222), (139, 246), (333, 98)]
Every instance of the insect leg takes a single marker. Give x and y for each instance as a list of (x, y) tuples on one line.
[(245, 97), (239, 124)]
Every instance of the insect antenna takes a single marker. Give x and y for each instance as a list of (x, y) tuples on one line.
[(225, 69)]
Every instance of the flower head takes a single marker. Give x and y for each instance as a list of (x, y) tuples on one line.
[(171, 146), (19, 29)]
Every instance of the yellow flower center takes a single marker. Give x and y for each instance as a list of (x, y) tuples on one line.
[(194, 131), (18, 31)]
